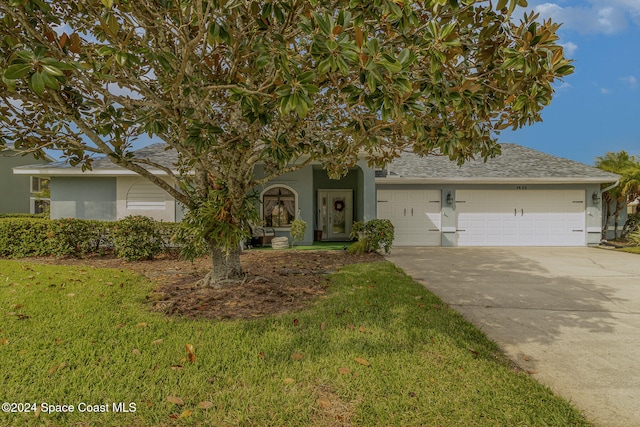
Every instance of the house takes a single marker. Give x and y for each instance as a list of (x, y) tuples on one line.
[(18, 193), (521, 198)]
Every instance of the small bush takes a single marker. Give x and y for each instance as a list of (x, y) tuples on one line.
[(378, 234), (298, 228), (75, 236), (136, 238), (634, 238), (23, 237)]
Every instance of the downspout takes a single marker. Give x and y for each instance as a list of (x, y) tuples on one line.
[(615, 184)]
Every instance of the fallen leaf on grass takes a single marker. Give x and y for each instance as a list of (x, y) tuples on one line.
[(288, 381), (157, 341), (297, 356), (324, 403), (56, 368), (205, 405), (261, 355), (120, 325), (175, 399), (176, 367), (141, 325), (186, 414), (344, 371), (362, 329), (136, 351), (323, 325), (191, 352), (4, 341), (295, 322), (362, 361)]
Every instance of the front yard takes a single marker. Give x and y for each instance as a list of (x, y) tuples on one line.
[(376, 349)]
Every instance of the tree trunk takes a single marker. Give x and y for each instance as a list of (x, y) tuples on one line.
[(225, 269)]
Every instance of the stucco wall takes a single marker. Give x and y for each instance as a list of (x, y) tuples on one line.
[(83, 198)]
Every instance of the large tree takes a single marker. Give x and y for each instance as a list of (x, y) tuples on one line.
[(229, 84)]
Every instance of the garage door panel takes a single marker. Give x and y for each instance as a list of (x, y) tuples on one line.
[(415, 215), (520, 218)]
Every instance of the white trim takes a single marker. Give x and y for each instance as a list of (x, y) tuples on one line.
[(481, 180)]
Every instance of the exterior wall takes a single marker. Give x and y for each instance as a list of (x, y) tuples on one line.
[(83, 198), (593, 209), (15, 190), (165, 212)]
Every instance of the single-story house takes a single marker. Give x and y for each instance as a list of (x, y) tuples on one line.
[(19, 193), (521, 198)]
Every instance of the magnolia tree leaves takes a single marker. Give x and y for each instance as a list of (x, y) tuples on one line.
[(232, 84)]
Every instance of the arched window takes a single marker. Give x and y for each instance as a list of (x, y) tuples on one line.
[(279, 205)]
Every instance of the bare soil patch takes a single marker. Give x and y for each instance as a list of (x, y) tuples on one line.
[(276, 282)]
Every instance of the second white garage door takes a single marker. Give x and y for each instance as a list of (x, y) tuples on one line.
[(520, 217), (415, 215)]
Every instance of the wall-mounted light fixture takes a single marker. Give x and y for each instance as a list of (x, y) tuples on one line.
[(449, 199), (595, 197)]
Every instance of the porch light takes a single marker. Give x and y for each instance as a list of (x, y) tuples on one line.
[(595, 197), (449, 199)]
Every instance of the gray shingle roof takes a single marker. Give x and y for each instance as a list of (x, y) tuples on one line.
[(155, 152), (515, 163)]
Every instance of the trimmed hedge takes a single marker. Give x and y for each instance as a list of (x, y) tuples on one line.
[(132, 238)]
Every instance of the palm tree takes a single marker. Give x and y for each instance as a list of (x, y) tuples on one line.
[(628, 189)]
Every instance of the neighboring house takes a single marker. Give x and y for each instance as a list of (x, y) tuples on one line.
[(521, 198), (21, 194)]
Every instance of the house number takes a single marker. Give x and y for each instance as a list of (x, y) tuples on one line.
[(521, 187)]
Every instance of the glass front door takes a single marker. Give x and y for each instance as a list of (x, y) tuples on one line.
[(335, 213)]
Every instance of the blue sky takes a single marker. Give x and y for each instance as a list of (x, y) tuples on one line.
[(596, 109)]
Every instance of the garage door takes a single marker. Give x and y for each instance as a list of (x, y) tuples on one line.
[(415, 215), (520, 217)]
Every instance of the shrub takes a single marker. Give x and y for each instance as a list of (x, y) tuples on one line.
[(298, 228), (23, 237), (359, 247), (634, 238), (378, 234), (77, 237), (136, 238)]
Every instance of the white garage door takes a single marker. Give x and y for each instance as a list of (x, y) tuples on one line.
[(520, 217), (415, 215)]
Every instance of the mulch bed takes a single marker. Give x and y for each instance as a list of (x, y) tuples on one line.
[(276, 282)]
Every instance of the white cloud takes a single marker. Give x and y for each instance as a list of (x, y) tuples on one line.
[(604, 91), (631, 81), (569, 48), (592, 16)]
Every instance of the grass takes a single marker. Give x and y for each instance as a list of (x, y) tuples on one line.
[(378, 350), (631, 249)]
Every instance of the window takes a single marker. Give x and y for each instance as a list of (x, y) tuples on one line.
[(39, 185), (38, 206), (278, 206)]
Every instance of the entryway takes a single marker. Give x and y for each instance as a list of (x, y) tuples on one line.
[(335, 214)]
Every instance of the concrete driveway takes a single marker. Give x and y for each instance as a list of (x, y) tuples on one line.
[(568, 316)]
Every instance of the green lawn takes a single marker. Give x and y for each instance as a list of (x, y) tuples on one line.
[(378, 350)]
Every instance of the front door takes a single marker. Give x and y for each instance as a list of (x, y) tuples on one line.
[(335, 213)]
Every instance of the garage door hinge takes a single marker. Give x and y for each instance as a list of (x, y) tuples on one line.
[(577, 231)]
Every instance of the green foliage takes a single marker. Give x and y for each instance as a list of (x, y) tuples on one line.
[(298, 228), (23, 237), (359, 247), (378, 234), (634, 238), (75, 236), (136, 238), (132, 238), (632, 225)]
